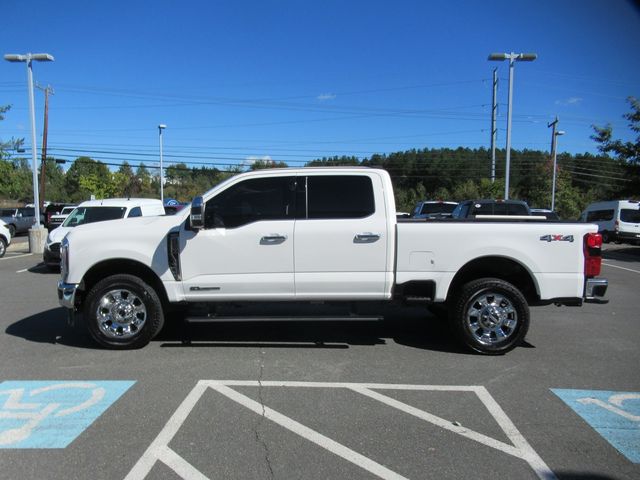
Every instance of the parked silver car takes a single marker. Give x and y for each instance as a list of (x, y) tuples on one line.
[(18, 220)]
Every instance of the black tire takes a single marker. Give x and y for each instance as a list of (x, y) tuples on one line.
[(606, 238), (490, 316), (123, 312), (12, 230), (3, 247)]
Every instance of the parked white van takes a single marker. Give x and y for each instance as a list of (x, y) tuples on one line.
[(98, 211), (617, 220)]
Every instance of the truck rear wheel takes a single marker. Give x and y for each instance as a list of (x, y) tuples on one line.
[(490, 316), (123, 312), (3, 247)]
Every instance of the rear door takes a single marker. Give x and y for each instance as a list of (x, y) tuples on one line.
[(341, 237), (630, 219)]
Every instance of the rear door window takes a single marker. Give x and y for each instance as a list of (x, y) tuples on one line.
[(630, 216), (348, 196)]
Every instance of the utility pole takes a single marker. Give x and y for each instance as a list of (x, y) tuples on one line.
[(43, 166), (494, 130)]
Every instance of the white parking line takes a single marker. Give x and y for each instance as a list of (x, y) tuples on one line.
[(159, 448), (16, 256), (622, 268), (22, 271)]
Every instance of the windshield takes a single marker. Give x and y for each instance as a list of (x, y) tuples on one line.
[(83, 215), (431, 208), (67, 210), (628, 215)]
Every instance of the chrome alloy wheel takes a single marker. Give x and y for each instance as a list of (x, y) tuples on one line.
[(491, 318), (121, 314)]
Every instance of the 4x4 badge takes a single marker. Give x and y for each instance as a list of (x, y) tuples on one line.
[(557, 238)]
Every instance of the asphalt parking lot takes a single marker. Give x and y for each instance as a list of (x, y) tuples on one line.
[(392, 399)]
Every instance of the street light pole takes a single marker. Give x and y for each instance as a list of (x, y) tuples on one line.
[(28, 58), (494, 130), (554, 142), (512, 57), (160, 128)]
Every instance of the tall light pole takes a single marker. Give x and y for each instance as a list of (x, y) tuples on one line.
[(554, 141), (512, 57), (160, 128), (494, 130), (28, 58)]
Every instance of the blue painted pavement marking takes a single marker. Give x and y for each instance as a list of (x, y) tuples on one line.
[(51, 414), (614, 415)]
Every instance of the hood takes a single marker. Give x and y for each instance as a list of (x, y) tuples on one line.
[(57, 234), (121, 228)]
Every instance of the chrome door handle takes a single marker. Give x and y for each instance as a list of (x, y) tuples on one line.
[(273, 239), (366, 237)]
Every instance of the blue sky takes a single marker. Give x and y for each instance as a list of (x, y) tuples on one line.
[(296, 80)]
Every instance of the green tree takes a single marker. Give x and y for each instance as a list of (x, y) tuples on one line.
[(95, 175), (628, 153), (262, 164), (15, 174), (16, 180), (12, 144), (54, 182), (144, 181), (334, 161), (126, 181)]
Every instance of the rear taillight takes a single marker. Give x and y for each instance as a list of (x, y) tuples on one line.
[(616, 225), (592, 254)]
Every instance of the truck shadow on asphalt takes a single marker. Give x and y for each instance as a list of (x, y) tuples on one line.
[(423, 331), (428, 334), (49, 326)]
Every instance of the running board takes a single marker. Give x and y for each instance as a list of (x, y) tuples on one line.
[(324, 318)]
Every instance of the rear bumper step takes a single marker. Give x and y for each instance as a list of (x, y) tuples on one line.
[(595, 289)]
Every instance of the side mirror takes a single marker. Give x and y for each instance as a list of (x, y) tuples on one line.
[(196, 218)]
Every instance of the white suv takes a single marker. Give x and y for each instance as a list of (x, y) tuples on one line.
[(5, 238), (97, 211)]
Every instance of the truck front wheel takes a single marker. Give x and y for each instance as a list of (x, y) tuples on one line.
[(490, 316), (123, 312)]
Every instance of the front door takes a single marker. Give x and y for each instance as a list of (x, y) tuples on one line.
[(245, 251)]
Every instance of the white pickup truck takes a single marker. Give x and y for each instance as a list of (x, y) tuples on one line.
[(321, 235)]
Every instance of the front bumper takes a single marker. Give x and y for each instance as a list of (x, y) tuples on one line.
[(627, 237), (51, 254), (595, 290), (67, 294)]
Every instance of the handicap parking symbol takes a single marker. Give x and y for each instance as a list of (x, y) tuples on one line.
[(614, 415), (51, 414)]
